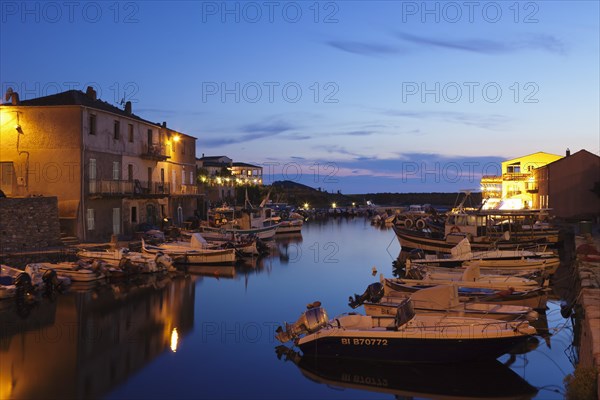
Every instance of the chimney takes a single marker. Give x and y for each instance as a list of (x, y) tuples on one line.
[(12, 96), (90, 92), (128, 107), (164, 124), (568, 152)]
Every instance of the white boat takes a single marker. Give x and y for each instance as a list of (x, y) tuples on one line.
[(289, 226), (76, 271), (38, 279), (437, 300), (192, 252), (147, 263), (535, 297), (506, 261), (407, 337)]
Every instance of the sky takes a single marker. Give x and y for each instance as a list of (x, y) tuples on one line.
[(355, 96)]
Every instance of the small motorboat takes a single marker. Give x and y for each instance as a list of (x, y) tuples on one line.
[(534, 297), (406, 338), (79, 271), (192, 252), (437, 300), (146, 263)]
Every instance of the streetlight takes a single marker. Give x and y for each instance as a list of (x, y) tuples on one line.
[(306, 206), (333, 205)]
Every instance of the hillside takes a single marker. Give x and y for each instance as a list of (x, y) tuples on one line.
[(297, 194)]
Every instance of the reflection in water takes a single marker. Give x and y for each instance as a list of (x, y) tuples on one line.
[(90, 341), (490, 379)]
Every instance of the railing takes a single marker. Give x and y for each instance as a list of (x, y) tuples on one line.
[(515, 177), (135, 187), (155, 152), (185, 189)]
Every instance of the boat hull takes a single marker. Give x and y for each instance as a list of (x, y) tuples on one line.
[(379, 345)]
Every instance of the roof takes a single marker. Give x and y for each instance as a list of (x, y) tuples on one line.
[(579, 153), (241, 164), (211, 158), (79, 98), (529, 155)]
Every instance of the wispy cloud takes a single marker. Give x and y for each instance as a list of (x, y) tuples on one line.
[(543, 42), (492, 121), (363, 48), (255, 131)]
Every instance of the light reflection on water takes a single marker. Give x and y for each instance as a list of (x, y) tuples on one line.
[(211, 334)]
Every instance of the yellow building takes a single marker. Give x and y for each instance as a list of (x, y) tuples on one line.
[(518, 182)]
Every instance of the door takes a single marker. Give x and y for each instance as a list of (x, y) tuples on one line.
[(92, 175), (8, 177)]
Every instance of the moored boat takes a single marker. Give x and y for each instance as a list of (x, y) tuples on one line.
[(437, 300), (191, 254), (409, 338)]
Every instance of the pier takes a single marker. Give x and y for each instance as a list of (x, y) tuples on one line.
[(589, 302)]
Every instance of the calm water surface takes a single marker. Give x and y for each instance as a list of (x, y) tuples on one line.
[(210, 334)]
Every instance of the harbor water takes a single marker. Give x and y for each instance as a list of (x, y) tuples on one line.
[(210, 334)]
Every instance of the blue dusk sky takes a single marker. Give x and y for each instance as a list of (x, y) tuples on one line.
[(356, 96)]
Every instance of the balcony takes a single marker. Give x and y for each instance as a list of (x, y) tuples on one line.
[(515, 177), (154, 152), (135, 188), (185, 190)]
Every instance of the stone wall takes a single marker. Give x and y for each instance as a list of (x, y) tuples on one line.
[(28, 224)]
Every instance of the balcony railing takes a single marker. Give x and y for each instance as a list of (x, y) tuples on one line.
[(154, 152), (515, 177), (128, 188), (185, 190)]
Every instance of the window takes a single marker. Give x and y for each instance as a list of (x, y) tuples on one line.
[(150, 138), (92, 174), (191, 178), (183, 177), (130, 172), (92, 124), (116, 167), (249, 172), (116, 130), (116, 220), (130, 132), (91, 223), (134, 215)]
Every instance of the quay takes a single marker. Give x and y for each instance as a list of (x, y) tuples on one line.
[(588, 271)]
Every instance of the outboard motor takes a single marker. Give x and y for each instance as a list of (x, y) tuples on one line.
[(416, 254), (50, 280), (373, 294), (310, 321)]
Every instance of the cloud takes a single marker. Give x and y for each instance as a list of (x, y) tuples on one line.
[(255, 131), (492, 121), (543, 42), (363, 48)]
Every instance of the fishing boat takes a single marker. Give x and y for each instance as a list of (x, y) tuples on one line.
[(192, 253), (495, 381), (437, 300), (409, 338), (146, 263), (535, 297)]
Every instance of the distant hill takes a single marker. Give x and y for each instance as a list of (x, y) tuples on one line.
[(297, 194)]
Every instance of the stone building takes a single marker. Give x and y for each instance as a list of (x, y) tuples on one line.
[(110, 169)]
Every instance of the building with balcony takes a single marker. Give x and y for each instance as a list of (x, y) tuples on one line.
[(514, 189), (219, 176), (110, 169)]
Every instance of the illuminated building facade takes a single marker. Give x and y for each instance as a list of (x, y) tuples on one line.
[(110, 169)]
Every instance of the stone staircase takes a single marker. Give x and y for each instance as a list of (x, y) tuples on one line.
[(68, 240)]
